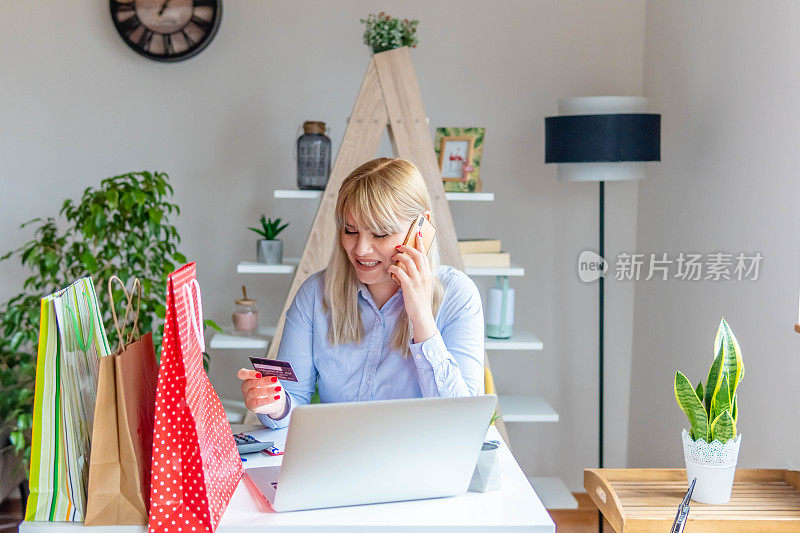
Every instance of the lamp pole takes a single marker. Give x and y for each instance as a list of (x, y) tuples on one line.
[(601, 329)]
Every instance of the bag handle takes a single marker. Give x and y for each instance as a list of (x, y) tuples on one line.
[(84, 346), (134, 334), (189, 300)]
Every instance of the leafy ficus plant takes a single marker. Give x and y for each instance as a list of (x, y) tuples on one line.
[(120, 228), (713, 410)]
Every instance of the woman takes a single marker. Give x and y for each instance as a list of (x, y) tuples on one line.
[(353, 332)]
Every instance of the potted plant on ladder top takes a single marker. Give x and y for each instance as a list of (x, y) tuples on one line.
[(711, 448)]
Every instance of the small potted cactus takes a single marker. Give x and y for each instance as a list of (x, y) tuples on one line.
[(711, 447), (269, 250)]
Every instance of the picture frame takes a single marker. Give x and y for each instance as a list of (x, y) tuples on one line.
[(459, 151), (454, 155)]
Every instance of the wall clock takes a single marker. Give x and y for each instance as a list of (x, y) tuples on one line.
[(167, 30)]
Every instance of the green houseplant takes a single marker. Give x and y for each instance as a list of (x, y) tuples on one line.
[(269, 250), (382, 32), (711, 446), (120, 228)]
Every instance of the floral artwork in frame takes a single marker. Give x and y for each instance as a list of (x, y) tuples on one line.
[(459, 152)]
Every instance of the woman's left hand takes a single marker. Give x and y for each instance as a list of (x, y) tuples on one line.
[(416, 280)]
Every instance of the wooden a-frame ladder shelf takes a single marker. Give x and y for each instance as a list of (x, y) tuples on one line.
[(389, 95)]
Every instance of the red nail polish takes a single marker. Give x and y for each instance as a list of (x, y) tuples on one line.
[(258, 375), (277, 389), (420, 234), (274, 379), (277, 397)]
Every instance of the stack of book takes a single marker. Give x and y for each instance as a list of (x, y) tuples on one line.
[(482, 253)]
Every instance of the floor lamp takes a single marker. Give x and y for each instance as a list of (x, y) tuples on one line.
[(602, 138)]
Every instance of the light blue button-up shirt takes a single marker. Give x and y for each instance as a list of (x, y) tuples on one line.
[(447, 365)]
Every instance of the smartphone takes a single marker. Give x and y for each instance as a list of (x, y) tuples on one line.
[(420, 224)]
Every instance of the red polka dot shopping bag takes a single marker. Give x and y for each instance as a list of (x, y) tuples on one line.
[(195, 466)]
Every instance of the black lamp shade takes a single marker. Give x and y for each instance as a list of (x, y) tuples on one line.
[(611, 138)]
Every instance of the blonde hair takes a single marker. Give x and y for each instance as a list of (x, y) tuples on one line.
[(378, 194)]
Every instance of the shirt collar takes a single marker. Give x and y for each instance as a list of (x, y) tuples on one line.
[(364, 292)]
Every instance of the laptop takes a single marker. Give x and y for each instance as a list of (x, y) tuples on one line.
[(340, 454)]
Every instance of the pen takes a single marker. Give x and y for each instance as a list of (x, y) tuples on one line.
[(683, 511)]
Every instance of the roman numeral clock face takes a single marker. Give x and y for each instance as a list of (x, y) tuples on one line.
[(167, 30)]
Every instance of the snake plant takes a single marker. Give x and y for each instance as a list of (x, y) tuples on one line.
[(713, 410)]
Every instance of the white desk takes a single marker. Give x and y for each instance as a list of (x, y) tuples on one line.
[(514, 506)]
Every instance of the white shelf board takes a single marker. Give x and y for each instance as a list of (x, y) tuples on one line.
[(452, 196), (297, 193), (522, 340), (526, 409), (553, 493), (251, 267), (512, 271), (290, 263), (470, 196), (231, 341)]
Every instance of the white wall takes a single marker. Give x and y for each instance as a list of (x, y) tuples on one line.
[(77, 105), (725, 76)]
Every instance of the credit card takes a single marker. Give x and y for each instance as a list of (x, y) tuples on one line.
[(272, 367)]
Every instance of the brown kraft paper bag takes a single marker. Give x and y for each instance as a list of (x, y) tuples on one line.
[(122, 437)]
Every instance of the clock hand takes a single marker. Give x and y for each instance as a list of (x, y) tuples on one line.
[(163, 7)]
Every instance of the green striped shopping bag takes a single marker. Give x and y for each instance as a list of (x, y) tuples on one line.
[(71, 341)]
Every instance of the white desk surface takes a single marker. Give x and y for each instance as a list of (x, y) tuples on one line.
[(514, 506)]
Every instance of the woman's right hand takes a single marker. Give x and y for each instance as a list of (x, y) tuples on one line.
[(262, 395)]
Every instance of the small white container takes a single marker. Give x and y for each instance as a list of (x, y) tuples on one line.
[(500, 310), (488, 471), (714, 466)]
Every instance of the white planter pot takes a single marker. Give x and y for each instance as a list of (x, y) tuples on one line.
[(488, 471), (714, 466)]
